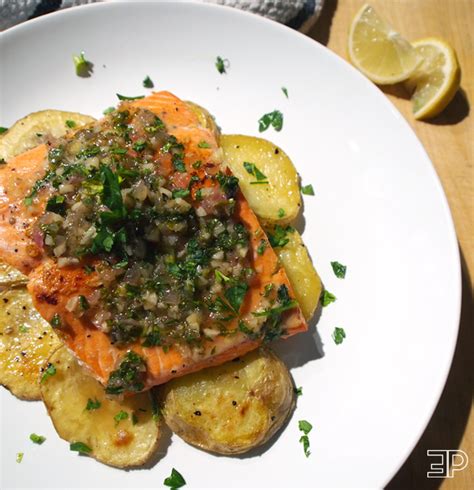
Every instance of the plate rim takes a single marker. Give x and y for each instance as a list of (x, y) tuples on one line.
[(382, 99)]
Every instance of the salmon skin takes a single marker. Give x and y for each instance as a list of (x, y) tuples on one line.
[(53, 286)]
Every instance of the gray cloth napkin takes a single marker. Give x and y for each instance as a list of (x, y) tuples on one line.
[(295, 13)]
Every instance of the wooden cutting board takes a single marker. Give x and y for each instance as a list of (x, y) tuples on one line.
[(448, 140)]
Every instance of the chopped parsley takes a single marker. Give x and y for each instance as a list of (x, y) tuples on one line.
[(279, 237), (306, 428), (274, 119), (221, 277), (139, 146), (181, 193), (204, 144), (48, 372), (80, 447), (281, 213), (257, 182), (55, 321), (128, 376), (261, 247), (37, 439), (3, 130), (148, 83), (70, 124), (83, 303), (299, 391), (339, 269), (126, 97), (222, 65), (327, 298), (23, 328), (108, 110), (236, 295), (338, 335), (19, 457), (93, 404), (122, 415), (253, 170), (83, 66), (285, 91), (307, 190), (175, 480), (56, 204)]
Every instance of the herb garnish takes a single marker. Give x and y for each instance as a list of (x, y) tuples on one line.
[(222, 65), (175, 480), (274, 119), (285, 91), (299, 391), (204, 144), (125, 97), (37, 439), (148, 83), (93, 404), (338, 335), (307, 190), (3, 130), (83, 67), (55, 321), (339, 269), (108, 110), (80, 447), (19, 457), (128, 376), (281, 213), (48, 372), (180, 193), (305, 427), (327, 298), (23, 328), (253, 170), (261, 247), (56, 204), (279, 237), (70, 124), (122, 415), (235, 295)]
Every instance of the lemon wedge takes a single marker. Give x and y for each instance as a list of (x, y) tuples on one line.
[(436, 80), (378, 51)]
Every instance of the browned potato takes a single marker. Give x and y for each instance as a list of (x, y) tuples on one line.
[(26, 341), (31, 130), (232, 408), (122, 433), (273, 197), (300, 271)]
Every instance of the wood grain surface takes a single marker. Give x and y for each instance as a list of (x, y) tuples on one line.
[(448, 140)]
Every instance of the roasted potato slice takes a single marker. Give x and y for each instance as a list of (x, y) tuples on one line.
[(232, 408), (35, 128), (300, 270), (277, 201), (122, 433), (205, 118), (26, 341), (10, 276)]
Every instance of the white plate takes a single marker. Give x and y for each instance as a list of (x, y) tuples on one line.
[(379, 208)]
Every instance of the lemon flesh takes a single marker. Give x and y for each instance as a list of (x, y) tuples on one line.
[(378, 51), (437, 79)]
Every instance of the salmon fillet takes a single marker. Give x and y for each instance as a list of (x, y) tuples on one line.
[(52, 287)]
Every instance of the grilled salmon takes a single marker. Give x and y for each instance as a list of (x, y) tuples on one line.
[(198, 249)]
